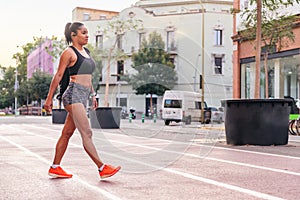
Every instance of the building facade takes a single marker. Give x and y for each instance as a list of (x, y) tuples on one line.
[(180, 23), (40, 59), (283, 65), (90, 14)]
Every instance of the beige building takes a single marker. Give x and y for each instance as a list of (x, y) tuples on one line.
[(90, 14)]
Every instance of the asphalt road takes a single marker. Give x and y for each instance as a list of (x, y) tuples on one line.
[(158, 162)]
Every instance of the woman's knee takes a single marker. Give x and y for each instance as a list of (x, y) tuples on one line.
[(88, 133), (67, 133)]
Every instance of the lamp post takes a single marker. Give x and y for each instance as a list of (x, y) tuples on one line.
[(195, 76), (202, 80), (16, 88)]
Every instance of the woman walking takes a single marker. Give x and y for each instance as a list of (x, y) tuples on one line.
[(78, 61)]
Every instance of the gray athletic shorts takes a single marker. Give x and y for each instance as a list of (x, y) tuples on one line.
[(76, 93)]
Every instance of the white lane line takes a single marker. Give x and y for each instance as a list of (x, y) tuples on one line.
[(207, 158), (201, 157), (76, 178), (190, 143), (184, 174), (201, 179)]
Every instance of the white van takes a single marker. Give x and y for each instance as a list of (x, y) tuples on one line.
[(182, 106)]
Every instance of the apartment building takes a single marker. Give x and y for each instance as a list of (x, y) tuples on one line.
[(40, 59), (195, 47), (90, 14)]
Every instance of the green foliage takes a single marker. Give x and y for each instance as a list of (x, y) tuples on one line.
[(115, 30), (96, 55), (38, 85), (26, 91), (7, 87), (276, 27), (155, 71)]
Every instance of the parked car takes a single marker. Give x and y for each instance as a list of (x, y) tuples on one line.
[(217, 114)]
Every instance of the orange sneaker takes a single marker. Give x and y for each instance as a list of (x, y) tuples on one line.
[(109, 171), (58, 172)]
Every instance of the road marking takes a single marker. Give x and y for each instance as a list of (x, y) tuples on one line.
[(201, 179), (184, 174), (76, 178), (207, 157)]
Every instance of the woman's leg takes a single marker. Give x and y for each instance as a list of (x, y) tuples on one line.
[(63, 141), (78, 113)]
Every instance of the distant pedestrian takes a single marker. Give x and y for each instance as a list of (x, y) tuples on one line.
[(77, 60)]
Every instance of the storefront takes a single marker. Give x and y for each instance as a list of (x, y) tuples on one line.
[(283, 75)]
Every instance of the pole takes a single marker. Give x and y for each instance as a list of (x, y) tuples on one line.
[(196, 72), (16, 88), (119, 85), (202, 46)]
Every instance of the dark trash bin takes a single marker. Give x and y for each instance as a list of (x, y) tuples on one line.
[(105, 117), (257, 121)]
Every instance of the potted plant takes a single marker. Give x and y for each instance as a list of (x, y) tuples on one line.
[(260, 121)]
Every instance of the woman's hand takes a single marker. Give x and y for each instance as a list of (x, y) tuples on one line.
[(48, 105), (95, 103)]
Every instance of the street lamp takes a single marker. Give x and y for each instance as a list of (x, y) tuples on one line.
[(16, 87), (202, 80), (195, 76)]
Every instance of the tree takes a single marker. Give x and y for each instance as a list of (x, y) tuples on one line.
[(257, 20), (21, 60), (38, 85), (117, 28), (7, 86), (96, 54), (155, 71)]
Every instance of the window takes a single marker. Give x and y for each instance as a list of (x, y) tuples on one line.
[(123, 102), (119, 41), (142, 36), (102, 17), (120, 70), (198, 105), (218, 64), (218, 37), (171, 41), (172, 103), (86, 16), (99, 42)]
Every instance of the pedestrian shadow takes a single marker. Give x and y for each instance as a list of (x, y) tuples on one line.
[(108, 182)]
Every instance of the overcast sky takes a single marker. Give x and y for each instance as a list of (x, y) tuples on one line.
[(22, 20)]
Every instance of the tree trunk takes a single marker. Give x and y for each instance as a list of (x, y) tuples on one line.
[(258, 51), (107, 78), (266, 75)]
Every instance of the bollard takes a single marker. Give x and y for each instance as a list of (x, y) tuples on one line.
[(154, 118), (130, 118), (143, 118)]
